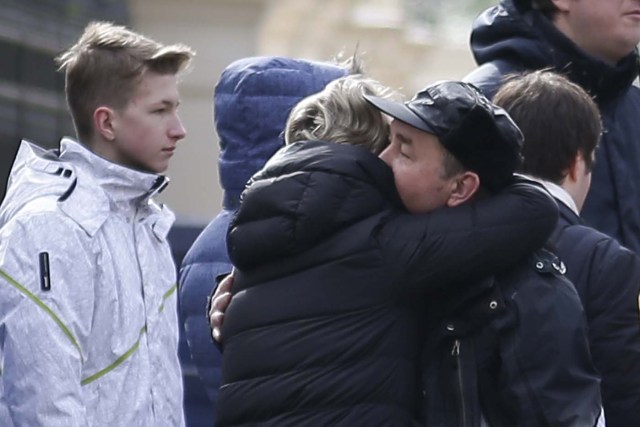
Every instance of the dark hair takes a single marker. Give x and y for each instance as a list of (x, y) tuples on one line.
[(557, 118)]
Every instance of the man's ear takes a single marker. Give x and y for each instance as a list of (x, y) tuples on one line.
[(103, 118), (562, 5), (465, 186)]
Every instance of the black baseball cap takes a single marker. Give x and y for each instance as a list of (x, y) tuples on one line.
[(477, 132)]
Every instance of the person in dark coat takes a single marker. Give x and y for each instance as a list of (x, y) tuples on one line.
[(252, 101), (325, 325), (510, 349), (594, 43), (561, 125)]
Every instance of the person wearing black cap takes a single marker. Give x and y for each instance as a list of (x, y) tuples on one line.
[(594, 43), (480, 137), (511, 349), (325, 324)]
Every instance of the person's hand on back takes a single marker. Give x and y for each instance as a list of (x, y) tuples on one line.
[(218, 305)]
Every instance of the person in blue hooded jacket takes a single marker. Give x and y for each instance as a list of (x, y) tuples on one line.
[(592, 42), (252, 101)]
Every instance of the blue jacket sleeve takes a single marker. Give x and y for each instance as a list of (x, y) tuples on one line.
[(204, 263)]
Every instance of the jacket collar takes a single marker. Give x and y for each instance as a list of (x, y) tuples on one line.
[(101, 187), (527, 38), (561, 194), (567, 206), (119, 183)]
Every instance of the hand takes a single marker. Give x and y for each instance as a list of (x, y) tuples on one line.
[(219, 302)]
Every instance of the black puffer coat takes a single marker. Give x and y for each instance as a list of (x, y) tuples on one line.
[(324, 326)]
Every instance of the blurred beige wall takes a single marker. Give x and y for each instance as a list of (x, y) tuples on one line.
[(224, 30)]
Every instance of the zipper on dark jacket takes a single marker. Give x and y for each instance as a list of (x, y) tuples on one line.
[(459, 383)]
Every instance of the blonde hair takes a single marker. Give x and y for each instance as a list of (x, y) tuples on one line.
[(105, 66), (341, 114)]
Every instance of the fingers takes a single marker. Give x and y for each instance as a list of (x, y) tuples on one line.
[(219, 303), (216, 314), (225, 285), (216, 320)]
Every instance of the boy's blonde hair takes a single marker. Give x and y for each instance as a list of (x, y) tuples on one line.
[(340, 114), (105, 66)]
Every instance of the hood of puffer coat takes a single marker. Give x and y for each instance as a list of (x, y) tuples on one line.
[(513, 32)]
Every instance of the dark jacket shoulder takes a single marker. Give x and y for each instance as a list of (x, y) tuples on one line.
[(607, 278), (502, 353)]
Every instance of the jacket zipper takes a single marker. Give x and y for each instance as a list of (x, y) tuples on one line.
[(144, 301), (140, 269), (455, 352)]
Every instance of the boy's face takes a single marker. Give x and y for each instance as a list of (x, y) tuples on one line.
[(608, 29), (148, 128), (416, 158)]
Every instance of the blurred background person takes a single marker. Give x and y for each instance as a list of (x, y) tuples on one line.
[(592, 42)]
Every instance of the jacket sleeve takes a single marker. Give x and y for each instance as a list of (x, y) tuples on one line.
[(468, 241), (545, 322), (614, 330), (205, 262), (45, 311)]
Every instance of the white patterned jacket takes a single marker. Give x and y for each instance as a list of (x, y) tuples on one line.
[(88, 321)]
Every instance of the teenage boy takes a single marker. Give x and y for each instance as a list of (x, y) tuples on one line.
[(561, 125), (87, 282), (594, 43)]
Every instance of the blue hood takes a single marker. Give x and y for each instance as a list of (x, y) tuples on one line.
[(252, 102), (513, 32)]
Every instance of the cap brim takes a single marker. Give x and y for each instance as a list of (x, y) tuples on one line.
[(399, 111)]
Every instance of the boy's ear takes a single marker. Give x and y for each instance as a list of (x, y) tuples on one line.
[(573, 170), (465, 186), (103, 122)]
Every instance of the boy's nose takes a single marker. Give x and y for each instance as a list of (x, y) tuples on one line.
[(178, 131)]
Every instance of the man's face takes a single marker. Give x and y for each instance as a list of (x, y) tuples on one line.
[(148, 128), (416, 158), (607, 29)]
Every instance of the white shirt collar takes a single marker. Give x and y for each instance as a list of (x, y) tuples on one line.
[(558, 192)]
